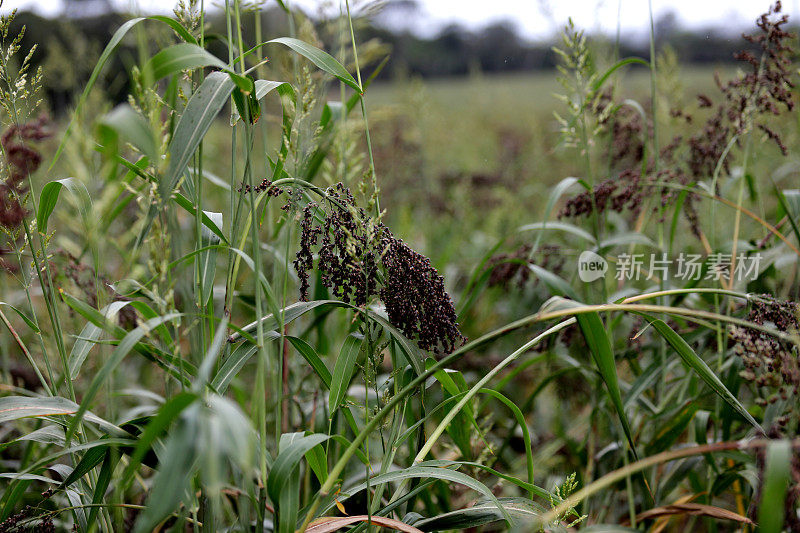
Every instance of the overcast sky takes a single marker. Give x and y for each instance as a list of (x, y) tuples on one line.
[(536, 18)]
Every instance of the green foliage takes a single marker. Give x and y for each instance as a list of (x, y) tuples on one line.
[(561, 493), (19, 87), (159, 372)]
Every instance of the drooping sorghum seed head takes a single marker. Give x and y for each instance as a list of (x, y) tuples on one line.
[(11, 211), (22, 159), (707, 146), (623, 192), (586, 202), (352, 247), (11, 523), (416, 300), (773, 73), (630, 196), (18, 160), (46, 526)]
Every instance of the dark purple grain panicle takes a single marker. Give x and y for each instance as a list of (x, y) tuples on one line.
[(749, 101), (416, 300), (352, 248)]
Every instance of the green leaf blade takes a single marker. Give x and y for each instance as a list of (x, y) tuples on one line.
[(321, 59), (343, 372)]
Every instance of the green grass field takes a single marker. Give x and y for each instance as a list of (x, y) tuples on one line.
[(459, 120)]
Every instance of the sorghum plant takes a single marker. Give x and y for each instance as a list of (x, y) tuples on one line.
[(353, 247)]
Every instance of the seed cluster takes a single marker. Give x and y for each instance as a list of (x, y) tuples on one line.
[(351, 249), (304, 259), (19, 160), (20, 519), (627, 137), (769, 364), (265, 185), (10, 523), (747, 102), (416, 300), (348, 248)]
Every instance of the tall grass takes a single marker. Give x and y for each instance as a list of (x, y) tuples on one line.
[(180, 383)]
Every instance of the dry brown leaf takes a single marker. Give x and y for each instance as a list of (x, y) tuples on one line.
[(661, 523), (695, 509)]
